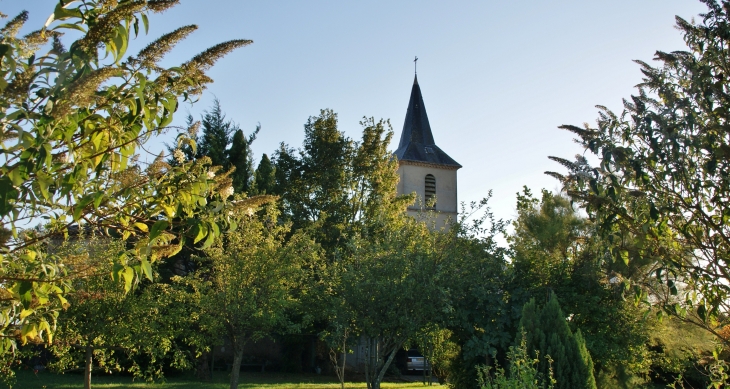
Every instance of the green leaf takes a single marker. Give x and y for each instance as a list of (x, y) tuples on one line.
[(702, 312), (25, 287), (116, 271), (78, 209), (64, 302), (128, 275), (61, 12), (17, 175), (136, 26), (199, 230), (672, 287), (157, 229), (653, 213), (625, 257), (8, 196), (29, 330), (43, 184), (98, 197), (26, 297), (146, 269), (209, 241), (146, 23), (70, 26), (25, 313)]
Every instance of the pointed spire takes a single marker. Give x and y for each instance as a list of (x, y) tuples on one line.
[(416, 127), (416, 141)]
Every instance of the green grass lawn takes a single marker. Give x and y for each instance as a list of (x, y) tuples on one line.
[(45, 380)]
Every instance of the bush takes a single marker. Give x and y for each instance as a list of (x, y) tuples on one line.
[(523, 371)]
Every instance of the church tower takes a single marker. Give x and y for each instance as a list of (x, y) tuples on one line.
[(423, 167)]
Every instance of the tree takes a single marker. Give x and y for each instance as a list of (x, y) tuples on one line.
[(548, 333), (71, 122), (104, 327), (547, 240), (661, 190), (349, 203), (216, 135), (316, 184), (336, 184), (240, 157), (265, 177), (253, 280), (393, 287), (439, 350), (555, 250), (480, 315)]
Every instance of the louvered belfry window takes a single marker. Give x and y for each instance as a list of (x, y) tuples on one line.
[(430, 191)]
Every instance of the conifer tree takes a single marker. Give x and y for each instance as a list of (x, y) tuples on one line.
[(547, 332), (216, 136), (585, 377), (240, 157), (264, 177)]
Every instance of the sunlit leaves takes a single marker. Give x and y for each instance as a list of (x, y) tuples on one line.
[(71, 123), (663, 185)]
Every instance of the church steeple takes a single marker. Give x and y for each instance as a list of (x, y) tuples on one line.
[(416, 141), (424, 169)]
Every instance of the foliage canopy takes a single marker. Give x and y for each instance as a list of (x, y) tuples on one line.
[(661, 192), (71, 123)]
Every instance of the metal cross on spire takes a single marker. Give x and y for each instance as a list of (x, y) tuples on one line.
[(415, 65)]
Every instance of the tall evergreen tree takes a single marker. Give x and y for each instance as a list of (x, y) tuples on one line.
[(216, 136), (547, 332), (265, 177), (240, 157)]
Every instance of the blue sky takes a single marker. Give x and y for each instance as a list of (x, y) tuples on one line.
[(497, 77)]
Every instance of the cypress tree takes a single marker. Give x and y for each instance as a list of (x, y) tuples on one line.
[(587, 380), (547, 332), (264, 177), (240, 157)]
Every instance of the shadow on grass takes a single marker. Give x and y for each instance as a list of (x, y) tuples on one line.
[(46, 380)]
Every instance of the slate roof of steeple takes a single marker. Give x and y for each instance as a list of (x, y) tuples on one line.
[(416, 140)]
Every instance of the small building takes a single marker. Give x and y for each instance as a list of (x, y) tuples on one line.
[(424, 168)]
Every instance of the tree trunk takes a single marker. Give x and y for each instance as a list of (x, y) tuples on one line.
[(376, 362), (202, 367), (236, 368), (368, 361), (387, 364), (89, 357), (335, 358), (344, 361)]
